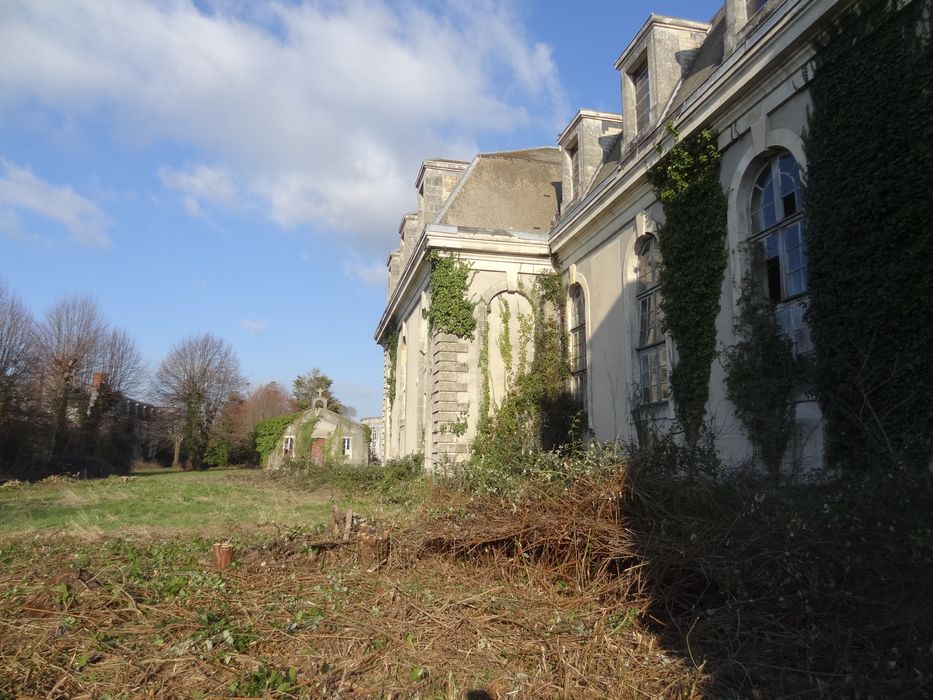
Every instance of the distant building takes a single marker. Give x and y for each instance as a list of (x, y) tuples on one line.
[(133, 418), (376, 438), (321, 436)]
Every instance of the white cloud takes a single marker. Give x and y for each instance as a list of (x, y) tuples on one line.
[(191, 206), (201, 183), (320, 111), (253, 327), (370, 273), (21, 190)]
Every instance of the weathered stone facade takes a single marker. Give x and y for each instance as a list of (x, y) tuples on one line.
[(588, 212)]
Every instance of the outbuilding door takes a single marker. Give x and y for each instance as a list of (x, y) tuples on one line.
[(317, 451)]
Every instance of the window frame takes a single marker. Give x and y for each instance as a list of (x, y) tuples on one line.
[(753, 7), (577, 343), (641, 82), (573, 152), (347, 448), (651, 348), (769, 242)]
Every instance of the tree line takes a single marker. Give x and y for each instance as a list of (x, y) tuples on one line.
[(72, 390)]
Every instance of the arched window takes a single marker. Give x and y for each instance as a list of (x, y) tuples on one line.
[(652, 346), (776, 211), (577, 325)]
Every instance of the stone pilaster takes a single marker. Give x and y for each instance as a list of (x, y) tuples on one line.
[(450, 403)]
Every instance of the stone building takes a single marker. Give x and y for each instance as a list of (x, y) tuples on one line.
[(586, 210), (321, 436), (376, 427)]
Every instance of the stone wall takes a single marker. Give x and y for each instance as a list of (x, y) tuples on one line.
[(450, 402)]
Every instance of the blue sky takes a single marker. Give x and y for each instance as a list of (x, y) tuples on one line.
[(241, 167)]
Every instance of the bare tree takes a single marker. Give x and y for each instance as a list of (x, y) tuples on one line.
[(17, 339), (241, 415), (199, 374), (17, 345), (68, 352), (266, 401), (120, 363)]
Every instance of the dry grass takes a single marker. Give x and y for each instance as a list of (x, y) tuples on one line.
[(606, 590), (539, 603)]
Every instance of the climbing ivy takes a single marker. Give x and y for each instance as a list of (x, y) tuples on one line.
[(390, 346), (505, 343), (538, 413), (303, 440), (450, 310), (269, 431), (868, 213), (762, 373), (692, 247)]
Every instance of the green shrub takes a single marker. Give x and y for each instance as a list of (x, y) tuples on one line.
[(269, 431), (399, 481)]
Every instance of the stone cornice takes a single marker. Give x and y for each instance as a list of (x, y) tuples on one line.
[(470, 243)]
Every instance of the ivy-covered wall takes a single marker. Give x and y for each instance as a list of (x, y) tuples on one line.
[(450, 310), (537, 412), (692, 245), (869, 231)]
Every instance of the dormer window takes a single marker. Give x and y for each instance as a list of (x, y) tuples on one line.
[(642, 96), (752, 7), (573, 151)]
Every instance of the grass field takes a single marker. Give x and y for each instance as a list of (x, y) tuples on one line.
[(203, 502), (614, 588)]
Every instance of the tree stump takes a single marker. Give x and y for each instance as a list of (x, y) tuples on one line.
[(223, 555)]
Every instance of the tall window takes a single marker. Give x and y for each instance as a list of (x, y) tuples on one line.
[(574, 152), (346, 447), (752, 7), (652, 346), (578, 343), (642, 95), (780, 250)]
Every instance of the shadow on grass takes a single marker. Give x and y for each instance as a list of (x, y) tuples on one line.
[(816, 591)]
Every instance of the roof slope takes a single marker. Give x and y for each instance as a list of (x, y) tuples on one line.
[(513, 190)]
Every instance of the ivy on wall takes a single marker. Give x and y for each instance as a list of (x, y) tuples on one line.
[(762, 373), (869, 212), (269, 431), (450, 310), (538, 412), (390, 346), (303, 440), (692, 246)]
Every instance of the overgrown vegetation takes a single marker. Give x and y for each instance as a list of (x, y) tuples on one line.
[(762, 373), (399, 482), (450, 311), (538, 413), (303, 439), (620, 575), (64, 385), (269, 431), (390, 346), (693, 259), (868, 212)]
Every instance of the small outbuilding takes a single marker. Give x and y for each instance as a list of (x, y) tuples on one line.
[(321, 436)]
